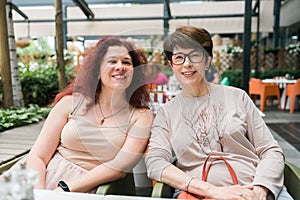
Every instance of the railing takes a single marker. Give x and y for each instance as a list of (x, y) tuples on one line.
[(268, 59)]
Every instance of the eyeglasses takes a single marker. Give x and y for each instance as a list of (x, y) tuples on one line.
[(194, 56)]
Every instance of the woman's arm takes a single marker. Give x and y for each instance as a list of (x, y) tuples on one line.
[(48, 139), (268, 150), (176, 178), (130, 153)]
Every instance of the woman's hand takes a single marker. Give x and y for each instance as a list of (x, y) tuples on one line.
[(235, 192), (260, 192)]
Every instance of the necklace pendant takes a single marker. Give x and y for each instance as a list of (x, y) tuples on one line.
[(102, 121), (205, 142)]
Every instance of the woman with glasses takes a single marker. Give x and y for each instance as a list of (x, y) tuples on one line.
[(215, 121)]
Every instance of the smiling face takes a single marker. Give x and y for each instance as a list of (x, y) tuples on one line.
[(116, 68), (191, 72)]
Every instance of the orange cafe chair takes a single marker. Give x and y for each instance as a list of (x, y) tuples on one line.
[(292, 90), (151, 86), (258, 88)]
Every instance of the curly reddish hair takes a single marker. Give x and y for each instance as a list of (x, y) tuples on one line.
[(87, 83)]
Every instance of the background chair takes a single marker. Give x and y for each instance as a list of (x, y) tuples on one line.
[(161, 190), (258, 88), (291, 182), (292, 179), (292, 90), (151, 86), (6, 166), (124, 186), (225, 81)]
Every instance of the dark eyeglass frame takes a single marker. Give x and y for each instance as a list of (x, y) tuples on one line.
[(187, 55)]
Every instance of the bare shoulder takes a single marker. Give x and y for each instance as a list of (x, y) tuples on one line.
[(65, 104), (143, 116), (66, 101), (146, 112)]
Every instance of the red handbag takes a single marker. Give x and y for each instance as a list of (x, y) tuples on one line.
[(205, 170)]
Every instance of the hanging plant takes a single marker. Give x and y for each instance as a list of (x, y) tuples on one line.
[(294, 48), (233, 50), (22, 43)]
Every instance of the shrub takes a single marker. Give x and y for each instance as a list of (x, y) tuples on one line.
[(15, 117), (40, 83), (234, 77)]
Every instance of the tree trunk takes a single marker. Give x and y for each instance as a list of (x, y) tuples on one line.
[(60, 45), (15, 76), (7, 95)]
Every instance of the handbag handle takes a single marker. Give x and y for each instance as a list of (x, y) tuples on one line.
[(205, 169)]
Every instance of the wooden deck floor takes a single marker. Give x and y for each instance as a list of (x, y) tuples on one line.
[(289, 131), (18, 141)]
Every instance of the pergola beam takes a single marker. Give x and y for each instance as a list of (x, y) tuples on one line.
[(256, 7), (137, 18), (15, 8), (84, 8), (167, 8)]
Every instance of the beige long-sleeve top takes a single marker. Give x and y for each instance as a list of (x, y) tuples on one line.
[(225, 121)]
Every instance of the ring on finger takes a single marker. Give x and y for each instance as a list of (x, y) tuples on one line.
[(240, 194)]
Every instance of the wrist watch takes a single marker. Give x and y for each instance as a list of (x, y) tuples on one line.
[(63, 186)]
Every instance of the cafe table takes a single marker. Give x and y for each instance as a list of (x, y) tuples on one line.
[(281, 82), (58, 195), (117, 197)]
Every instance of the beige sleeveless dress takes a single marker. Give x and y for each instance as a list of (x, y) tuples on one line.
[(84, 144)]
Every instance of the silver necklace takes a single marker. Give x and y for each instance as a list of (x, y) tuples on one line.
[(204, 142), (203, 139), (111, 115)]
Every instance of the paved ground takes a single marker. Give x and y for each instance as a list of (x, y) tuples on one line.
[(274, 116)]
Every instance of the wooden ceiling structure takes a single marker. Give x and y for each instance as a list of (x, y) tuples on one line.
[(251, 9), (163, 11)]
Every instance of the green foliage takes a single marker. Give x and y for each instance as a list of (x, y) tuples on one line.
[(234, 50), (279, 72), (294, 48), (40, 83), (234, 77), (271, 50), (168, 73), (15, 117)]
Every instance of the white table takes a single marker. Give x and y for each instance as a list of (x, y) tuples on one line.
[(281, 82), (116, 197), (57, 195)]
